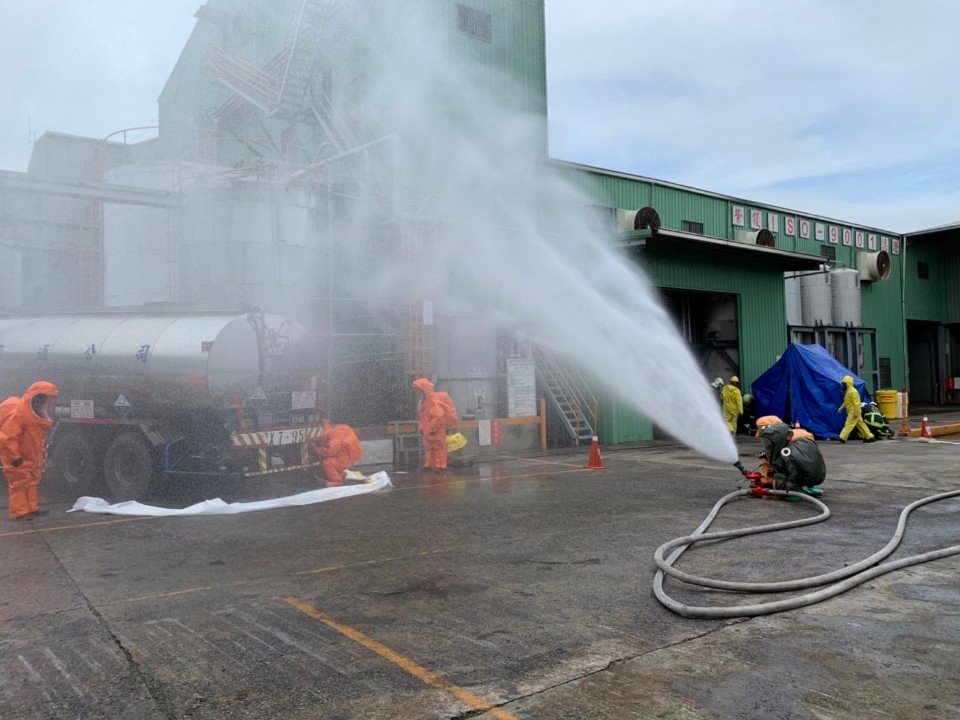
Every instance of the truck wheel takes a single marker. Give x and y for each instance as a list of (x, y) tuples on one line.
[(128, 467), (73, 466)]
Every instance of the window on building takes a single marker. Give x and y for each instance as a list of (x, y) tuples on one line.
[(474, 23), (923, 271), (828, 252), (691, 226), (886, 379)]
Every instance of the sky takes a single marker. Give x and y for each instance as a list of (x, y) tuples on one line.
[(845, 109)]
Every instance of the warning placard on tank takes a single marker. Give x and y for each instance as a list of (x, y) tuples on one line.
[(81, 409), (304, 400)]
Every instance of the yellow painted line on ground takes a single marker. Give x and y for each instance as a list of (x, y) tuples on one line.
[(375, 561), (404, 663), (78, 526), (679, 463), (240, 583), (547, 462)]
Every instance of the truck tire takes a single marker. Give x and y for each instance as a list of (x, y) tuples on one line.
[(74, 469), (128, 467)]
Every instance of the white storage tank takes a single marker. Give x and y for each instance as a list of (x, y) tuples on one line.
[(845, 292), (233, 240), (140, 243), (250, 242), (791, 286), (11, 289), (816, 299)]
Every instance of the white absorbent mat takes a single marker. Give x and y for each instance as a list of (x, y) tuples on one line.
[(377, 481)]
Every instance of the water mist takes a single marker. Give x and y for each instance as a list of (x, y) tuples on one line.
[(520, 247)]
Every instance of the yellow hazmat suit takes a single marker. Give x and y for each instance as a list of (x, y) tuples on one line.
[(851, 401), (732, 404)]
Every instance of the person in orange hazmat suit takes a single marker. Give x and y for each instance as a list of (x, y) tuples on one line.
[(437, 414), (24, 422), (338, 447)]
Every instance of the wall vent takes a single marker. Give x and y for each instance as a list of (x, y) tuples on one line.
[(474, 23)]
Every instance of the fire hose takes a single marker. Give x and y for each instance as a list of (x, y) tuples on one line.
[(843, 579)]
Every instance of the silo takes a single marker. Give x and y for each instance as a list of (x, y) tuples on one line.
[(845, 291), (11, 290), (249, 242), (791, 286), (140, 243), (816, 299)]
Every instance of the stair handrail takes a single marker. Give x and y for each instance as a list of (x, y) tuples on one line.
[(574, 391)]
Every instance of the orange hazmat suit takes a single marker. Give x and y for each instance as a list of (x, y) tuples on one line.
[(338, 447), (437, 414), (24, 422)]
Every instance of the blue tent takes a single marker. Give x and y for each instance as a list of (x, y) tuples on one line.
[(804, 386)]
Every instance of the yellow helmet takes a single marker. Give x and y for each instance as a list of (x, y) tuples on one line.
[(735, 379), (847, 380)]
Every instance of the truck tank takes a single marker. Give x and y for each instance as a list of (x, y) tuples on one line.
[(180, 382)]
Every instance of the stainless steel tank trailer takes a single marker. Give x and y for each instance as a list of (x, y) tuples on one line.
[(148, 395)]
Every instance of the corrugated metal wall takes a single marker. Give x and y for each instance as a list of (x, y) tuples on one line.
[(760, 291), (761, 306), (926, 296)]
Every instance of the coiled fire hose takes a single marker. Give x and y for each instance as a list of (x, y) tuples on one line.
[(848, 577)]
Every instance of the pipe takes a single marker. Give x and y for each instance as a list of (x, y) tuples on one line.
[(848, 577)]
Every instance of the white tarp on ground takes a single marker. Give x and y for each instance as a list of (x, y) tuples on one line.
[(377, 481)]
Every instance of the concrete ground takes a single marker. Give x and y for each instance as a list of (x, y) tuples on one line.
[(520, 588)]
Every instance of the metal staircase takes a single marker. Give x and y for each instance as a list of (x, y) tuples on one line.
[(312, 28), (292, 87), (256, 86), (568, 395)]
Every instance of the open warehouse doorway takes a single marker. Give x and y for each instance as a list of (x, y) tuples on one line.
[(708, 322)]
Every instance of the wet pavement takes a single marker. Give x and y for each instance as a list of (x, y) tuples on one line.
[(520, 588)]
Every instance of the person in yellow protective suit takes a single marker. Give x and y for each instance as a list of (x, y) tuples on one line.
[(338, 447), (851, 401), (437, 414), (24, 422), (732, 404)]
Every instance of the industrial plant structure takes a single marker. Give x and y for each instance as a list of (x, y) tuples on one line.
[(289, 153)]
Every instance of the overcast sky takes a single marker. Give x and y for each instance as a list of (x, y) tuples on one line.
[(842, 108)]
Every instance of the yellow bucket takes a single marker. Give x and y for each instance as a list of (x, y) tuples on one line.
[(887, 402)]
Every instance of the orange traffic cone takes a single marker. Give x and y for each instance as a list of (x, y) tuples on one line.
[(595, 463), (925, 431)]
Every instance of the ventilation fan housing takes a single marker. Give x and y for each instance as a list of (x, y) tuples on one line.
[(873, 266), (642, 219), (764, 238)]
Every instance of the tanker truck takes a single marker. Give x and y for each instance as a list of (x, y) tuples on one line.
[(146, 396)]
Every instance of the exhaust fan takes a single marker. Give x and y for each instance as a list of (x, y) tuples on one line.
[(630, 220), (873, 266), (764, 238)]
